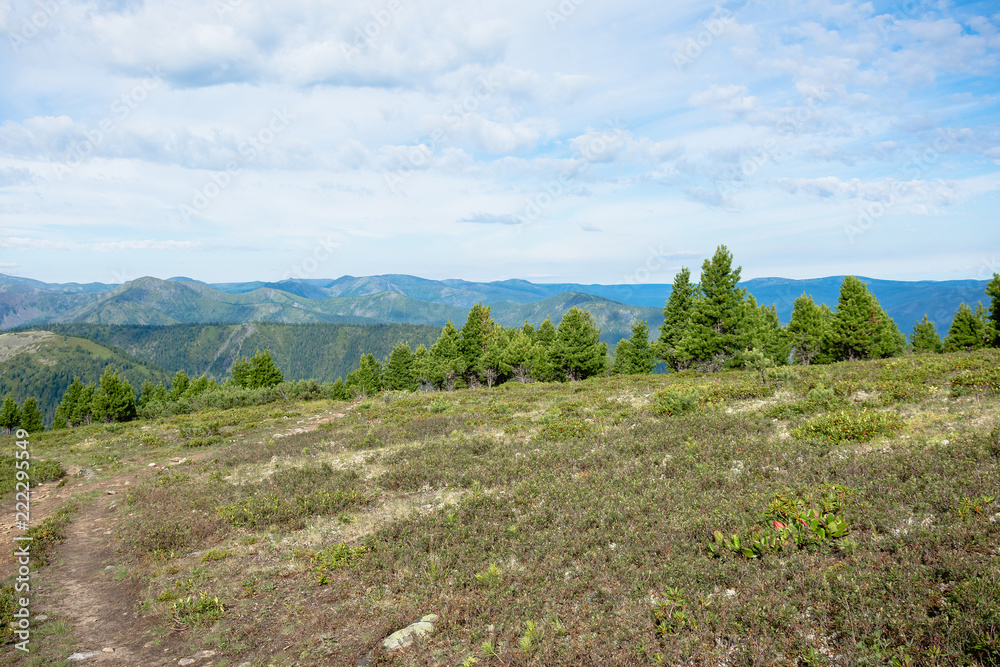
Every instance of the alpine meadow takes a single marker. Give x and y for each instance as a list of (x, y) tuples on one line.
[(378, 333)]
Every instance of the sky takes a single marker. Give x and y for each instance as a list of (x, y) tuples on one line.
[(554, 141)]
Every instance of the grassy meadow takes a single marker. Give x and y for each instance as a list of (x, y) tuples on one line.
[(844, 514)]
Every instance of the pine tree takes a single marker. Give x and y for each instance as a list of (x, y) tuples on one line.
[(716, 334), (181, 383), (860, 329), (765, 333), (968, 331), (74, 408), (493, 362), (925, 338), (399, 373), (422, 370), (448, 362), (339, 391), (634, 355), (259, 372), (543, 366), (622, 363), (578, 352), (676, 315), (993, 291), (518, 355), (114, 400), (366, 380), (10, 414), (808, 330), (474, 334), (32, 419)]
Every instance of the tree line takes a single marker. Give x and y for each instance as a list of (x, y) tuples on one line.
[(708, 326)]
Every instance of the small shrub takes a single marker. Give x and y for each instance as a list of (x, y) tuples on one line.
[(672, 402), (214, 554), (564, 429), (333, 557), (203, 610), (50, 532), (860, 426), (38, 471)]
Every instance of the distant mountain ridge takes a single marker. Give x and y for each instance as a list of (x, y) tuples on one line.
[(413, 300)]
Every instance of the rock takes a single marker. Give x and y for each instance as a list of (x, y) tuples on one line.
[(41, 617), (404, 637), (107, 649), (200, 655), (151, 465), (86, 655)]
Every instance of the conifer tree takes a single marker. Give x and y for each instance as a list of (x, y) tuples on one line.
[(399, 373), (366, 380), (493, 363), (765, 333), (474, 333), (676, 315), (182, 381), (716, 334), (422, 370), (339, 391), (808, 330), (448, 362), (67, 406), (32, 419), (860, 329), (518, 355), (578, 352), (969, 330), (543, 365), (259, 372), (114, 399), (10, 414), (622, 363), (993, 291), (925, 338)]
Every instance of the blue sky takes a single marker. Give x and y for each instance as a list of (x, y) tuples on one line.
[(580, 140)]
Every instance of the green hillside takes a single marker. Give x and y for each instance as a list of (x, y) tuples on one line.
[(839, 514), (42, 365), (318, 351)]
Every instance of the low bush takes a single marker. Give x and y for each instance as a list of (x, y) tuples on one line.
[(860, 425)]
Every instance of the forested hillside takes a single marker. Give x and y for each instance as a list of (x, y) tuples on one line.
[(42, 365), (317, 351)]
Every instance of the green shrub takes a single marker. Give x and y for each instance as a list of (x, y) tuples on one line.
[(38, 471), (860, 425), (672, 402), (565, 429), (203, 610), (986, 380), (50, 532), (333, 557)]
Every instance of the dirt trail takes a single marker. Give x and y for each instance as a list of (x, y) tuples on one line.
[(80, 587)]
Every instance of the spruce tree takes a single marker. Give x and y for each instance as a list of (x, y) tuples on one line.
[(676, 315), (114, 400), (399, 373), (716, 334), (808, 330), (32, 419), (422, 371), (993, 291), (765, 333), (67, 406), (634, 355), (10, 414), (543, 366), (925, 338), (338, 391), (969, 331), (578, 352), (860, 329)]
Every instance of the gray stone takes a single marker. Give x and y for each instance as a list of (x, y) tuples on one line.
[(85, 655), (404, 637)]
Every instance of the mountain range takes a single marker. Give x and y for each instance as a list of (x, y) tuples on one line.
[(413, 300)]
